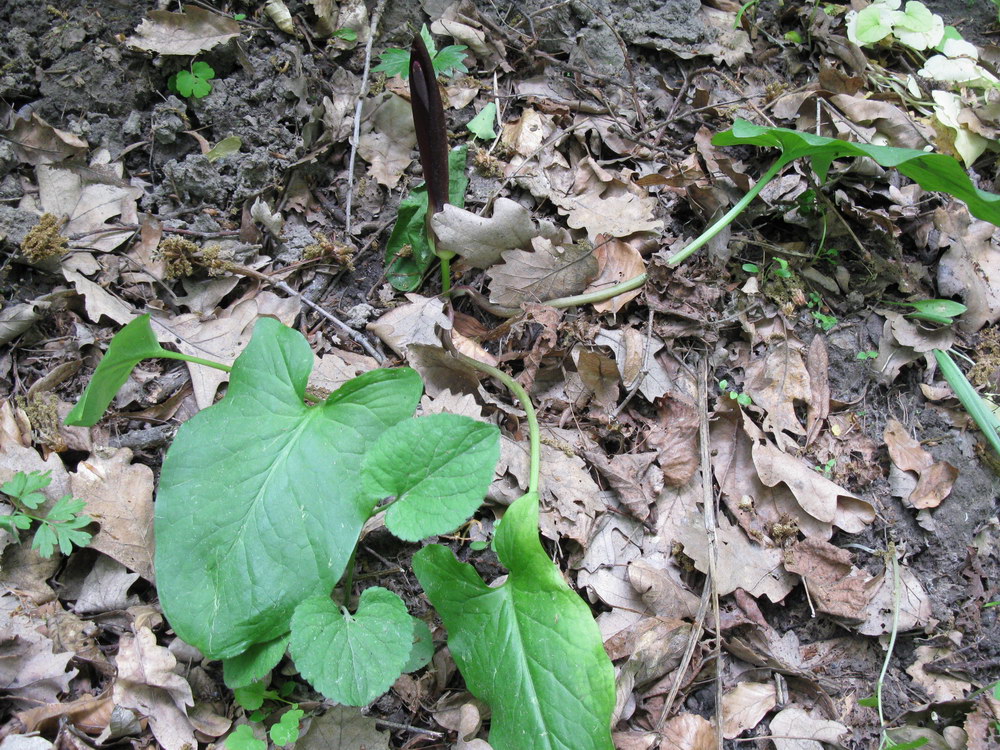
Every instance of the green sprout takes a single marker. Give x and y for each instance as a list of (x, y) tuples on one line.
[(447, 61), (743, 399), (194, 82), (866, 355), (826, 468), (60, 527)]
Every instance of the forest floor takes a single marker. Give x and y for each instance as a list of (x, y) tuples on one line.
[(854, 502)]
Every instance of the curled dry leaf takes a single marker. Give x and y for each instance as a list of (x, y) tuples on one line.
[(187, 33), (688, 732), (635, 354), (675, 437), (835, 585), (810, 733), (36, 142), (342, 728), (935, 478), (30, 672)]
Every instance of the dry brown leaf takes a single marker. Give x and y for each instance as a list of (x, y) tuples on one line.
[(604, 204), (662, 593), (895, 125), (526, 134), (119, 497), (795, 722), (388, 144), (617, 261), (688, 732), (745, 705), (105, 589), (935, 478), (971, 267), (634, 740), (469, 725), (835, 585), (412, 323), (599, 374), (481, 241), (616, 541), (88, 713), (342, 728), (629, 476), (188, 33), (36, 142), (545, 273), (914, 604), (940, 688), (635, 354), (337, 366), (818, 368), (776, 381), (30, 673), (147, 684), (674, 435)]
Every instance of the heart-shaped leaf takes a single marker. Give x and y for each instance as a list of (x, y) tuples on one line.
[(254, 663), (438, 467), (422, 650), (132, 344), (260, 501), (529, 648), (352, 659)]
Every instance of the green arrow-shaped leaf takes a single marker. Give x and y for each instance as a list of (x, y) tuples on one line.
[(529, 648), (931, 171), (132, 344), (352, 659), (260, 500), (438, 467)]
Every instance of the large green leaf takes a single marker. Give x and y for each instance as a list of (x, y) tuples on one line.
[(529, 648), (931, 171), (254, 663), (438, 468), (132, 344), (260, 501), (352, 659), (407, 253)]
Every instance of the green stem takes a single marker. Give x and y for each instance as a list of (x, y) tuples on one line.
[(166, 354), (600, 295), (731, 214), (445, 275), (529, 411)]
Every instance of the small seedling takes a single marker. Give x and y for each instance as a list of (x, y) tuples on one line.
[(751, 268), (252, 698), (939, 311), (61, 526), (743, 399), (194, 82), (782, 271), (826, 468), (447, 61), (825, 322), (348, 35), (481, 126), (866, 355)]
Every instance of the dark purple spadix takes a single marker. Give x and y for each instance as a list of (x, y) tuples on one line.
[(428, 121)]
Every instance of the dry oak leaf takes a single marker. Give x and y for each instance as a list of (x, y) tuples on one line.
[(413, 323), (599, 374), (674, 435), (342, 728), (29, 670), (547, 272), (835, 585), (940, 688), (119, 497), (617, 261), (971, 267), (688, 732), (388, 144), (188, 33), (935, 478), (148, 684), (616, 541), (661, 591), (775, 382), (36, 142), (914, 604), (481, 241), (745, 705)]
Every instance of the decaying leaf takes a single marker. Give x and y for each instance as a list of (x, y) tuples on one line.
[(935, 478), (689, 732), (412, 323), (187, 33), (939, 687), (744, 706), (794, 722), (342, 728), (835, 585), (775, 382), (547, 272), (388, 144), (617, 261), (36, 142), (31, 673), (971, 267)]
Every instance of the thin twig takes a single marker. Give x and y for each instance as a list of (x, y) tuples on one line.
[(409, 728), (372, 30)]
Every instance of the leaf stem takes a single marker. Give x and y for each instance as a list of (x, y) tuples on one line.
[(445, 274), (560, 302), (166, 354), (529, 411), (731, 214)]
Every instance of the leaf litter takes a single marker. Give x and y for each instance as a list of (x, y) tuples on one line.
[(832, 456)]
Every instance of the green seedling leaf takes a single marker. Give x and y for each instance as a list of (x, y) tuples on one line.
[(286, 731), (254, 663), (422, 650), (407, 253), (394, 62), (25, 487), (132, 344), (438, 468), (482, 124), (751, 267), (940, 311), (478, 546), (530, 647), (980, 411), (252, 696), (450, 60), (348, 35), (352, 659), (871, 25), (260, 500), (243, 739), (936, 172)]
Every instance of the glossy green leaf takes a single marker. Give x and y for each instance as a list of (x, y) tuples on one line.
[(286, 730), (530, 647), (438, 468), (941, 311), (132, 344), (352, 659), (422, 649), (980, 411), (407, 253), (260, 501), (931, 171), (254, 663)]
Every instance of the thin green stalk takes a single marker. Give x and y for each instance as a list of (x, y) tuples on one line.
[(445, 275), (731, 214), (529, 410), (196, 360), (600, 295)]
